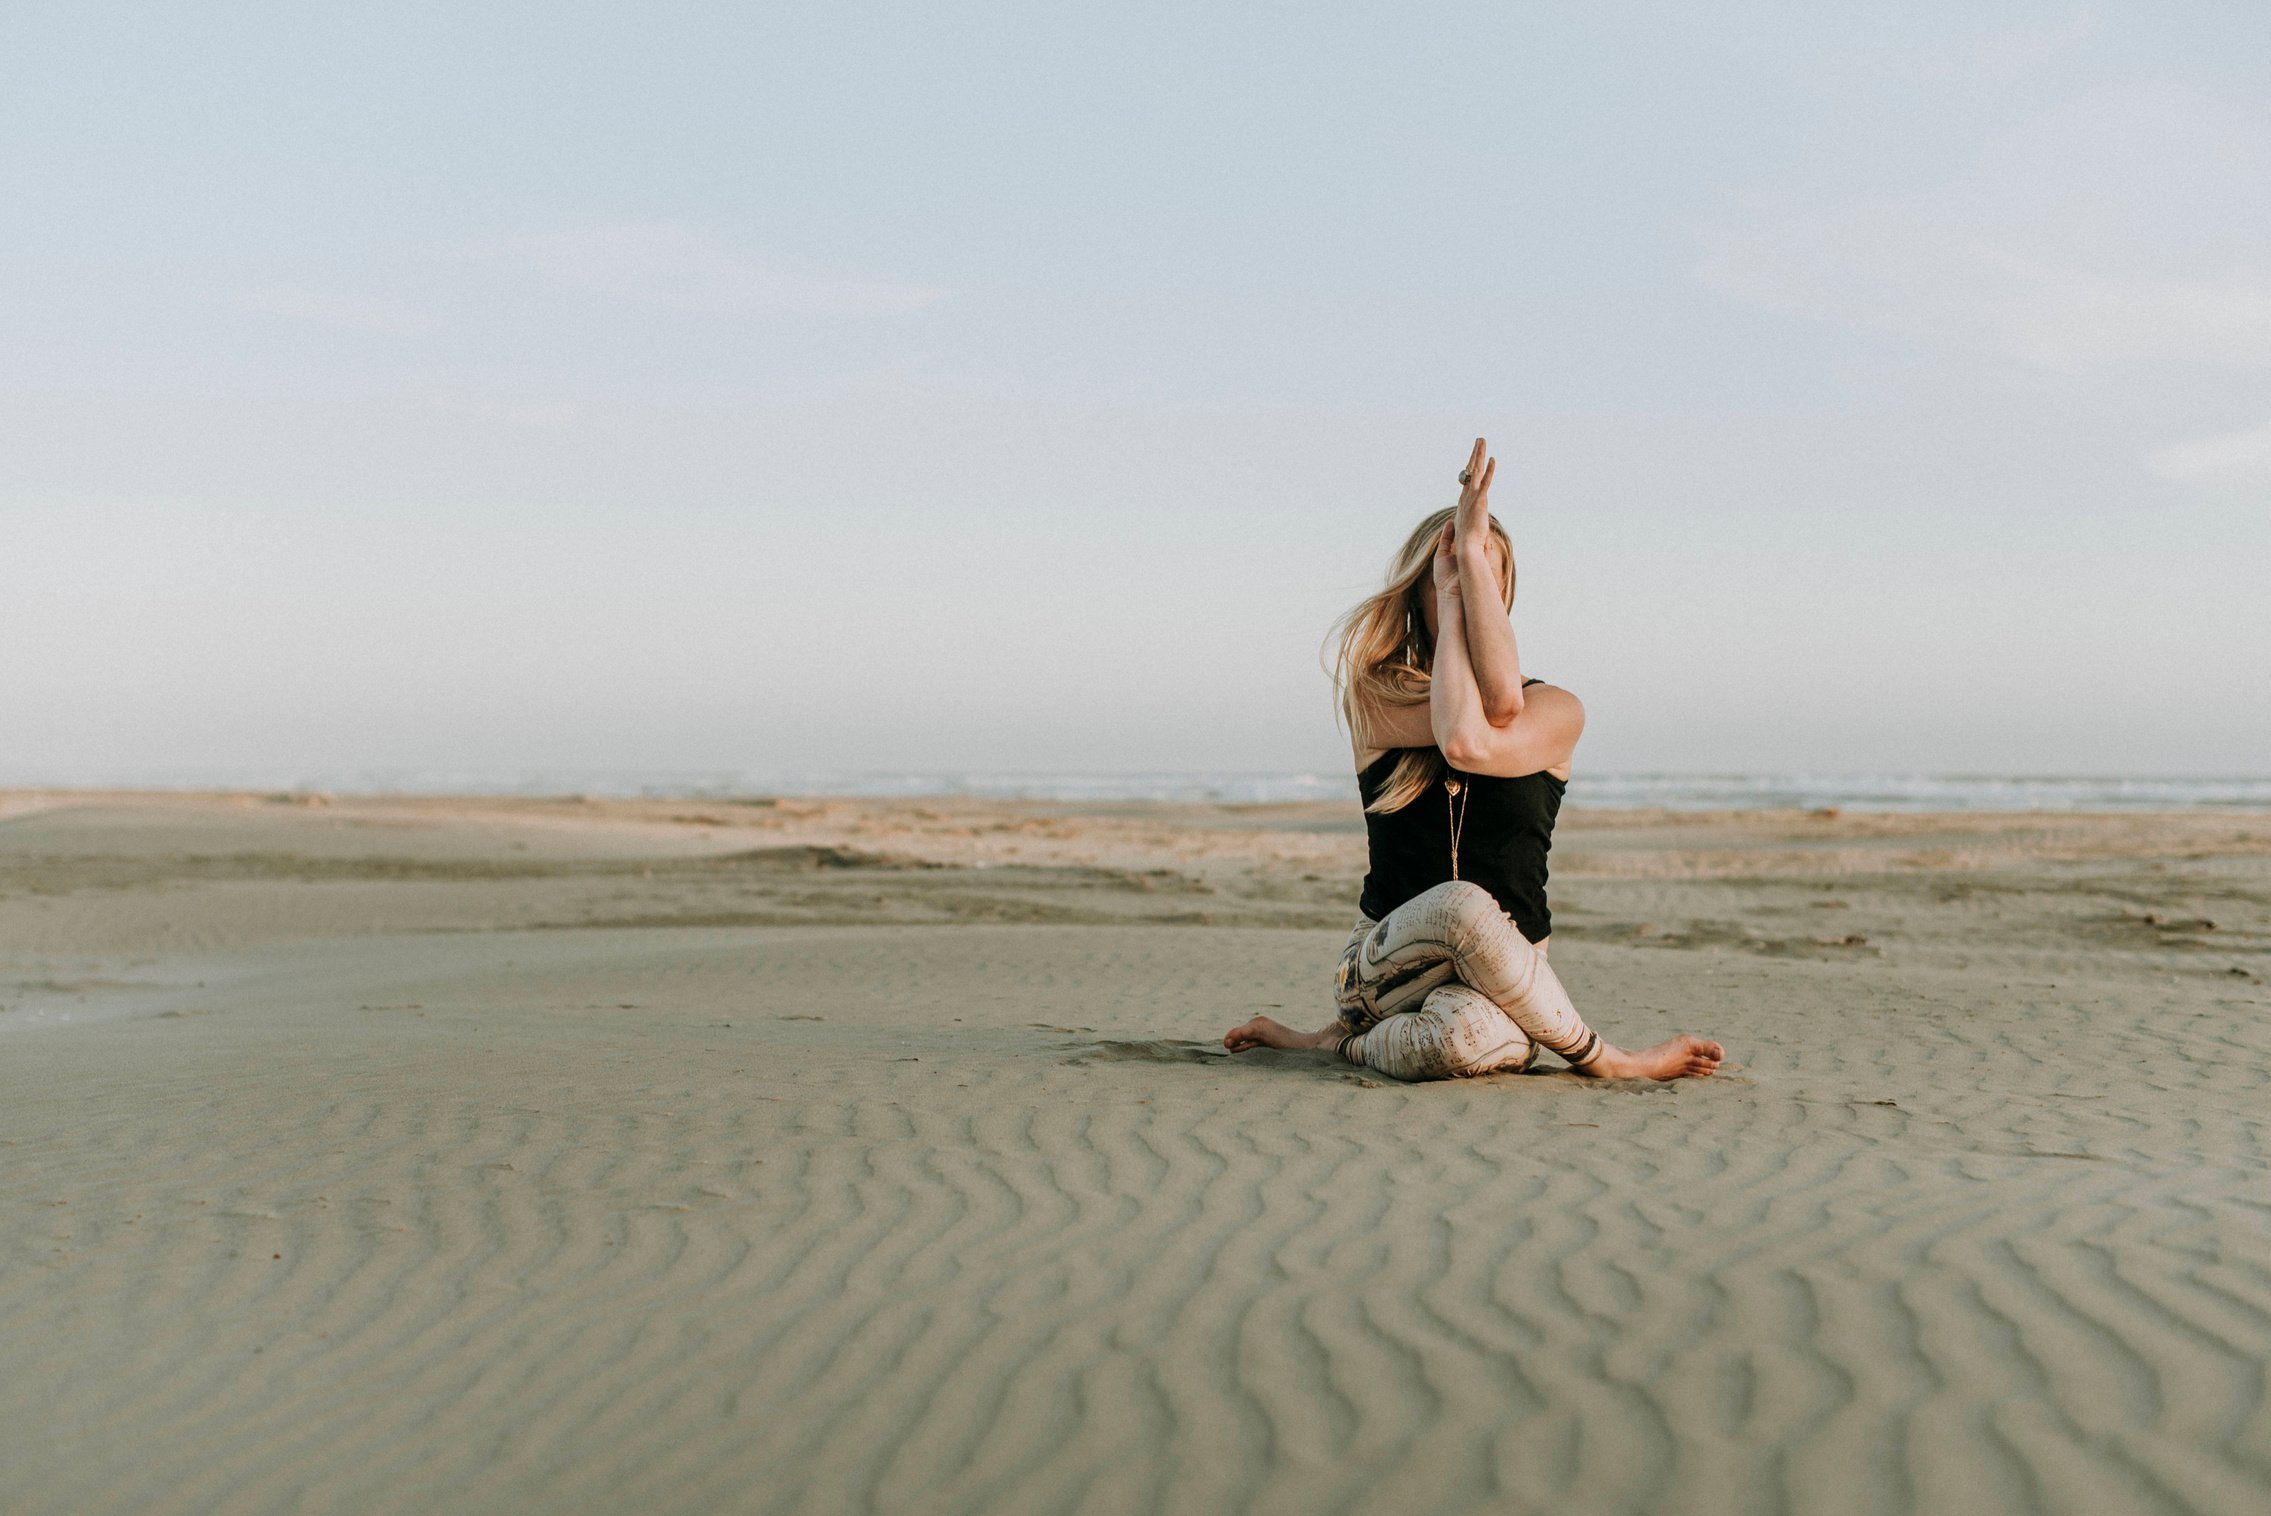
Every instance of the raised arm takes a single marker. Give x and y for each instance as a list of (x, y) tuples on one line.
[(1454, 703), (1418, 724), (1543, 735), (1497, 662)]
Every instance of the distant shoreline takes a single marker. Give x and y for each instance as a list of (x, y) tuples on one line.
[(1893, 793), (1599, 793)]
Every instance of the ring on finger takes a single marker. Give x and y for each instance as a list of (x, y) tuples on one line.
[(1466, 476)]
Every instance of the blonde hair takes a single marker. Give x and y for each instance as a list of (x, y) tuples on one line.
[(1383, 656)]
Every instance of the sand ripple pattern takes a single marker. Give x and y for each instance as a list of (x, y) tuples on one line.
[(793, 1240)]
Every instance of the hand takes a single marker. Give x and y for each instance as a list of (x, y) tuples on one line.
[(1473, 516), (1446, 564)]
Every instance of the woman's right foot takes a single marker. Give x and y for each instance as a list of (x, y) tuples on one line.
[(1263, 1032), (1680, 1058)]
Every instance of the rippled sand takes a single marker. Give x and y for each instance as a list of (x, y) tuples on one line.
[(801, 1157)]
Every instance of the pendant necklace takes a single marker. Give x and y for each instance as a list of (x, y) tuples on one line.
[(1455, 797)]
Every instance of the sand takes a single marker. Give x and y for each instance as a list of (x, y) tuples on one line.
[(471, 1156)]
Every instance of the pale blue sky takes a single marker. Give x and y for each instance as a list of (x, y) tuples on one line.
[(506, 387)]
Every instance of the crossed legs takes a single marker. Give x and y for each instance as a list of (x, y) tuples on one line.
[(1446, 987)]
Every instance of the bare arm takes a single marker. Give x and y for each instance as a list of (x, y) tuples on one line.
[(1477, 713), (1543, 735), (1496, 661), (1454, 704), (1490, 642), (1421, 723)]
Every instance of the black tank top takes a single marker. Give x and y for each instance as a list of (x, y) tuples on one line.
[(1503, 841)]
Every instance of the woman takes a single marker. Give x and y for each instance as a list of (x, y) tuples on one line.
[(1461, 763)]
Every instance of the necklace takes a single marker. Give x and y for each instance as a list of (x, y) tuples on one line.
[(1455, 798)]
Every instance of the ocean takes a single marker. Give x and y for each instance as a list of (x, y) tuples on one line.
[(1669, 791)]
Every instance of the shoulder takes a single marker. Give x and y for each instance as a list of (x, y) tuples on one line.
[(1552, 699), (1376, 760)]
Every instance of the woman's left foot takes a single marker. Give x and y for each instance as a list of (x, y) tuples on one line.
[(1262, 1032), (1679, 1058)]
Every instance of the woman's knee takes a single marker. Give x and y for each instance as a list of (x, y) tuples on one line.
[(1465, 902), (1408, 1045), (1456, 1033), (1471, 915), (1477, 1037)]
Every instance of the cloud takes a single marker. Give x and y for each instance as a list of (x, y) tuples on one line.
[(2129, 228), (351, 312), (2069, 319), (673, 265), (2234, 460)]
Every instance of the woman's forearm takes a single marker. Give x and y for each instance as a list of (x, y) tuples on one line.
[(1454, 705), (1497, 662)]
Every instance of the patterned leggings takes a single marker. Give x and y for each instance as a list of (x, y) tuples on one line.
[(1446, 987)]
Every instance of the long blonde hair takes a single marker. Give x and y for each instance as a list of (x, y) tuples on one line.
[(1383, 656)]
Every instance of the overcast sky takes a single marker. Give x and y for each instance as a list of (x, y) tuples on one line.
[(510, 387)]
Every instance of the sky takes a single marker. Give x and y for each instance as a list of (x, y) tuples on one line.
[(510, 388)]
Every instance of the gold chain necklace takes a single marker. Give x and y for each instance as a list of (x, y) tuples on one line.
[(1456, 789)]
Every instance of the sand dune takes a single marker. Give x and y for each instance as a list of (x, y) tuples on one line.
[(473, 1156)]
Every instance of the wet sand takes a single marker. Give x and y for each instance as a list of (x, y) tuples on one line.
[(798, 1156)]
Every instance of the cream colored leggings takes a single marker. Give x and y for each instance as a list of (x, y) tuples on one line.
[(1446, 987)]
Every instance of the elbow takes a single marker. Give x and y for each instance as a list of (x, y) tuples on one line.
[(1502, 710), (1461, 750)]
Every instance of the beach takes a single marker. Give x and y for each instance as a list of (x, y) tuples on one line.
[(803, 1155)]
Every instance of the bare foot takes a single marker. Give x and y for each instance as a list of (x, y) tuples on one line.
[(1680, 1058), (1262, 1032)]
